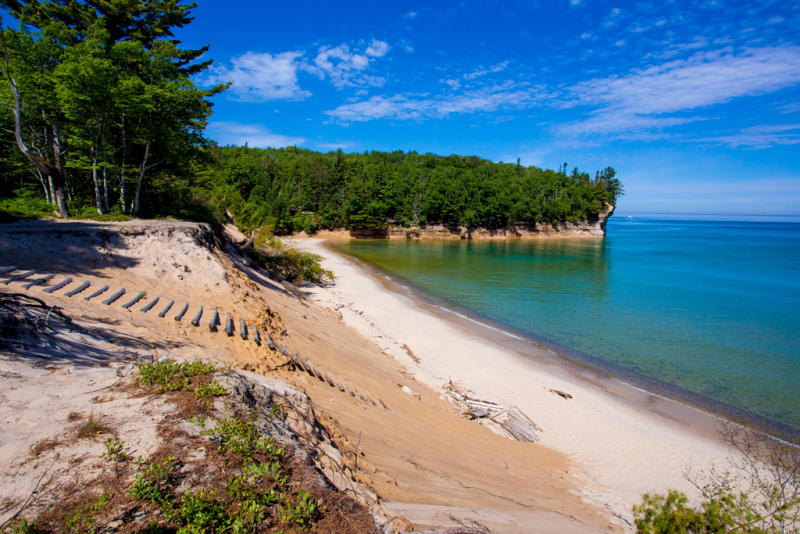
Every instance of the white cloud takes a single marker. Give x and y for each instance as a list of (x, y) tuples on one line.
[(640, 100), (344, 67), (261, 77), (410, 107), (701, 80), (574, 2), (411, 15), (455, 84), (586, 36), (482, 72), (621, 42), (255, 135), (377, 48), (764, 136), (776, 20)]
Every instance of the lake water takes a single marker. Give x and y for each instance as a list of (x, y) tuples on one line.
[(706, 311)]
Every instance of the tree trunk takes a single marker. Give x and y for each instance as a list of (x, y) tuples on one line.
[(105, 182), (44, 184), (142, 169), (122, 167), (98, 200), (41, 164)]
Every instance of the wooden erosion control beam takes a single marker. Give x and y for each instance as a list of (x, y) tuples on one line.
[(196, 320), (39, 281), (242, 328), (182, 312), (163, 312), (5, 270), (79, 289), (98, 292), (229, 325), (59, 285), (114, 297), (270, 343), (133, 301), (20, 276), (150, 306), (256, 336), (212, 324)]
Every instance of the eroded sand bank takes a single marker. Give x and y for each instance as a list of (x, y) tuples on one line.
[(417, 458)]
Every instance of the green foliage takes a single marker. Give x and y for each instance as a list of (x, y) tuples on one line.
[(171, 376), (210, 389), (725, 512), (151, 484), (293, 190), (114, 450), (293, 265), (240, 436), (761, 495), (299, 513)]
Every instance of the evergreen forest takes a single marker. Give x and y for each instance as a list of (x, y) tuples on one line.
[(101, 117)]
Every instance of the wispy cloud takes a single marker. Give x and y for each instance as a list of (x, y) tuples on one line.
[(639, 101), (764, 136), (484, 71), (255, 135), (411, 15), (410, 107)]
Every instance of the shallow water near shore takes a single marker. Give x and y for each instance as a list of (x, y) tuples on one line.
[(705, 311)]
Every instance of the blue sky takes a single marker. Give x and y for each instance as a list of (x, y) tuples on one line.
[(696, 104)]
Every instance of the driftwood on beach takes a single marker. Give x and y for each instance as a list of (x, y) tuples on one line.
[(507, 421)]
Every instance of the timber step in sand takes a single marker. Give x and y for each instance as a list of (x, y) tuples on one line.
[(58, 285)]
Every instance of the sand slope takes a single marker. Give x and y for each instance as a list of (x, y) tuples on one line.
[(417, 456)]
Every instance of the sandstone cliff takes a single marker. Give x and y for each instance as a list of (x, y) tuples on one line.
[(594, 227)]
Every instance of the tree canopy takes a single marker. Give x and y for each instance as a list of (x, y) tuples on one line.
[(99, 94), (300, 189)]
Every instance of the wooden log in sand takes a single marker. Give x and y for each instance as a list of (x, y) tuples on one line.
[(270, 343), (229, 325), (37, 282), (212, 324), (150, 306), (5, 270), (182, 312), (20, 276), (134, 300), (79, 289), (98, 292), (242, 328), (163, 312), (196, 320), (256, 336), (58, 285), (328, 379), (114, 297)]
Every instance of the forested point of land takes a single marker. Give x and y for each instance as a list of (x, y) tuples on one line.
[(101, 117)]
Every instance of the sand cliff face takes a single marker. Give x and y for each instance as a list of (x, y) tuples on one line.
[(594, 227)]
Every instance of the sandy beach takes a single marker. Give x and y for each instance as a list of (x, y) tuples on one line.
[(620, 446)]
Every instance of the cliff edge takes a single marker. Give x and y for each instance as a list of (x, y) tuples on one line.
[(592, 227)]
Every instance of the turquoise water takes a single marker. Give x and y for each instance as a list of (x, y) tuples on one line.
[(703, 310)]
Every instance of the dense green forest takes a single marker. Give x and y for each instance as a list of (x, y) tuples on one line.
[(305, 190), (101, 118)]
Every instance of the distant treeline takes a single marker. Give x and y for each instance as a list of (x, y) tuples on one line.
[(296, 189)]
